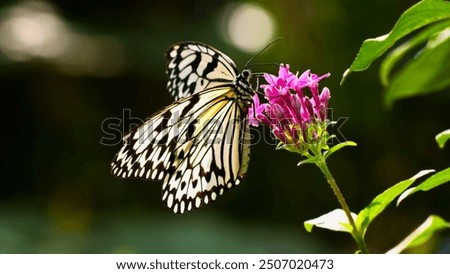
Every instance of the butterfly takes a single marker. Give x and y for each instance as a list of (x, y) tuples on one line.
[(199, 145)]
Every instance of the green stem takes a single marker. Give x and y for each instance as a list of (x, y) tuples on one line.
[(337, 192)]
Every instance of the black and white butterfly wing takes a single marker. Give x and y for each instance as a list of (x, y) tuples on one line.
[(193, 67), (199, 146)]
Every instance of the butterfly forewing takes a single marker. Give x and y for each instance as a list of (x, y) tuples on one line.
[(148, 151), (193, 67), (199, 145)]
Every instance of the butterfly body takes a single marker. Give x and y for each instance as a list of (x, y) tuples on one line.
[(198, 145)]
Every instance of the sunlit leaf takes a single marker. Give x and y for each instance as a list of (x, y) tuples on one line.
[(430, 71), (430, 183), (397, 54), (443, 137), (335, 220), (422, 234), (419, 15), (311, 160), (338, 147), (369, 213)]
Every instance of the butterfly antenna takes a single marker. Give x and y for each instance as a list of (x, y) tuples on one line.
[(266, 47), (263, 64)]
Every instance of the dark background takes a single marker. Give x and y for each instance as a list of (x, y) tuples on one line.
[(57, 194)]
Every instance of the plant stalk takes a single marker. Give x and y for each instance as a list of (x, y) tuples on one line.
[(337, 192)]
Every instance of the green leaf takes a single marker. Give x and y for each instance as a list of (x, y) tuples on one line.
[(419, 15), (335, 220), (311, 160), (370, 212), (397, 54), (422, 234), (338, 147), (430, 71), (436, 180), (443, 137)]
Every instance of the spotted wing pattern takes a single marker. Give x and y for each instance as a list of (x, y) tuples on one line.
[(193, 67), (199, 145)]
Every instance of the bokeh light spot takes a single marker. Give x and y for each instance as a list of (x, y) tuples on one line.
[(249, 27), (34, 29)]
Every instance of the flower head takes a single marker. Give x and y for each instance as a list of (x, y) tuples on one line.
[(295, 112)]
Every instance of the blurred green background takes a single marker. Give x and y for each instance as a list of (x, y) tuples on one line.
[(66, 66)]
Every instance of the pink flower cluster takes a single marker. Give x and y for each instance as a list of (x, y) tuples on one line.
[(289, 111)]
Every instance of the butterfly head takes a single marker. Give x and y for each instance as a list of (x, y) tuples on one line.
[(246, 74)]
